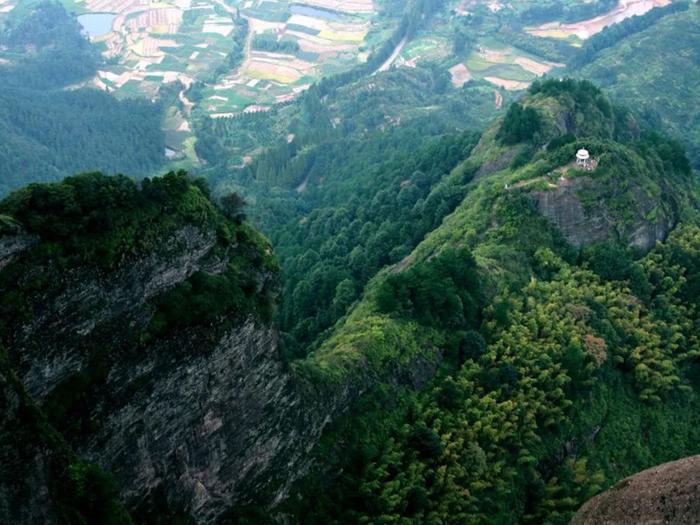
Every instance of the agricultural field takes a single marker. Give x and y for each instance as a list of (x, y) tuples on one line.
[(482, 56), (213, 43), (477, 40), (505, 66), (579, 31), (478, 45), (227, 58)]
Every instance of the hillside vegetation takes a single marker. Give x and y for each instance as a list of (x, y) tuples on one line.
[(655, 72), (567, 365), (48, 131)]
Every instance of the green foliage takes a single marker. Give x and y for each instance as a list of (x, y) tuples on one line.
[(207, 299), (361, 222), (98, 219), (584, 93), (47, 135), (550, 10), (48, 132), (612, 262), (558, 142), (410, 99), (521, 124), (232, 205), (548, 48), (671, 152), (58, 54), (269, 42), (95, 496), (235, 56), (442, 292), (548, 402), (506, 437)]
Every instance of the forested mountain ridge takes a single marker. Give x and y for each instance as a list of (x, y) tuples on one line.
[(465, 325), (568, 361), (141, 365), (557, 359)]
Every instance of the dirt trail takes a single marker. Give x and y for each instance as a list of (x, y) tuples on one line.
[(187, 103), (499, 99)]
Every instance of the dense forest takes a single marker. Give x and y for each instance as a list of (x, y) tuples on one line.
[(47, 131), (550, 311), (506, 433), (330, 255), (565, 11), (564, 369)]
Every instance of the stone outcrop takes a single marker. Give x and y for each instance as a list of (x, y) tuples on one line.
[(594, 222), (94, 309), (665, 494), (11, 246), (205, 417)]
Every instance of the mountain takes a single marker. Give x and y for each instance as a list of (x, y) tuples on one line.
[(560, 304), (131, 317), (532, 340), (654, 70)]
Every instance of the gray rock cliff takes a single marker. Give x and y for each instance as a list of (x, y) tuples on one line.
[(584, 223), (205, 417)]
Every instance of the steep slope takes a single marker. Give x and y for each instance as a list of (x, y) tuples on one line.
[(42, 481), (567, 361), (138, 320), (556, 360)]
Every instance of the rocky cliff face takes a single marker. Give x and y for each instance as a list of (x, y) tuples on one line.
[(13, 242), (668, 493), (201, 418), (25, 459), (584, 225), (96, 310)]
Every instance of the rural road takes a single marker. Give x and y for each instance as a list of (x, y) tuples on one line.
[(251, 31), (397, 50)]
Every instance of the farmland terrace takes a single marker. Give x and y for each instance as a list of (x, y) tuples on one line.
[(247, 54)]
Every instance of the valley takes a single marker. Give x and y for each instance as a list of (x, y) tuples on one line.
[(231, 58), (247, 56), (345, 262)]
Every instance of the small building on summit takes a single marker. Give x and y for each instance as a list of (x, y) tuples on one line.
[(583, 158)]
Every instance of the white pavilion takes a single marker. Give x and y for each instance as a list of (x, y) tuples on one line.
[(583, 158)]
